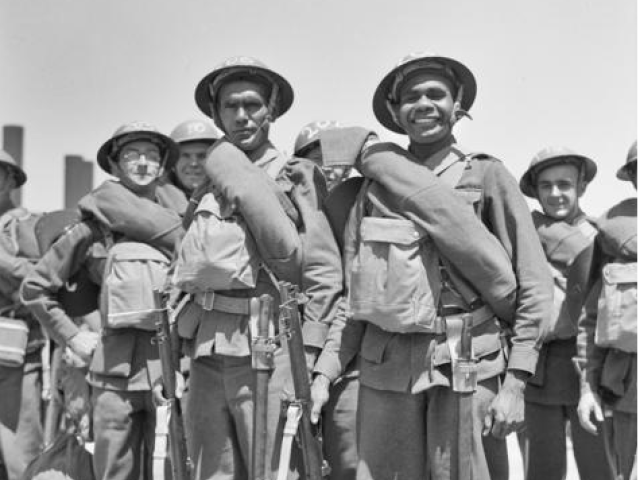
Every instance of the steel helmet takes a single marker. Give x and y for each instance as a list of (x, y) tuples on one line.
[(310, 134), (7, 160), (133, 131), (552, 156), (195, 130), (632, 156), (281, 96), (386, 92)]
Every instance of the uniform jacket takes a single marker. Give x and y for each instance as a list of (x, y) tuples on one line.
[(280, 201), (125, 359), (611, 373), (566, 246), (415, 362)]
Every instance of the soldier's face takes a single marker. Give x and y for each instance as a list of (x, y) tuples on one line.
[(139, 164), (190, 166), (243, 111), (425, 107), (559, 188)]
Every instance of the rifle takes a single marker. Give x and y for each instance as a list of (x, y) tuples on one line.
[(180, 464), (262, 350), (299, 410), (53, 414)]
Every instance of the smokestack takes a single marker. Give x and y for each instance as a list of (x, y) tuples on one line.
[(13, 144), (78, 179)]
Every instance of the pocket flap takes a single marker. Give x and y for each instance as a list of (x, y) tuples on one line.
[(615, 273), (391, 230)]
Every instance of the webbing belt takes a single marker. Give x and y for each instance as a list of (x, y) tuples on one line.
[(478, 316), (221, 303)]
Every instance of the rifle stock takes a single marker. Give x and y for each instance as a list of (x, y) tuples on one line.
[(314, 466), (180, 464)]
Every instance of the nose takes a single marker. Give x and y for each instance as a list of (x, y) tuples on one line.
[(555, 190), (241, 115), (424, 102)]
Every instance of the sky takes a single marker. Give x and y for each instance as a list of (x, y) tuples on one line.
[(549, 72)]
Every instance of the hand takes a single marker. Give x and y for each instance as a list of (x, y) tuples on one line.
[(319, 396), (506, 412), (590, 404), (159, 394), (72, 359), (83, 344)]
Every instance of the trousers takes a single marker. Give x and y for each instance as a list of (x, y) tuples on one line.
[(124, 427), (406, 436), (21, 433), (339, 428), (220, 417), (545, 444)]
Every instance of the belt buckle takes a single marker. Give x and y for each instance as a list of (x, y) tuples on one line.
[(208, 299)]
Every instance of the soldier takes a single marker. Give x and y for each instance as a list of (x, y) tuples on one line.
[(21, 339), (336, 166), (557, 177), (193, 137), (440, 275), (608, 332), (128, 231), (335, 149), (263, 196)]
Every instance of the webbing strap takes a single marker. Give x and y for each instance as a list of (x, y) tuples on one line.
[(294, 414), (161, 440)]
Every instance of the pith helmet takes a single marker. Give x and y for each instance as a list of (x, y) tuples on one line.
[(632, 156), (195, 130), (133, 131), (281, 96), (310, 134), (7, 160), (385, 94), (551, 156)]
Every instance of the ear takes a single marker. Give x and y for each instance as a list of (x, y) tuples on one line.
[(581, 188), (456, 113), (115, 168), (394, 110)]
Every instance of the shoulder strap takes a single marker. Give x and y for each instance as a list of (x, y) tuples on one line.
[(452, 172)]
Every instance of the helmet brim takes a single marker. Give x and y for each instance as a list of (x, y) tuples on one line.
[(463, 74), (623, 172), (19, 174), (171, 149), (527, 182), (203, 96)]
